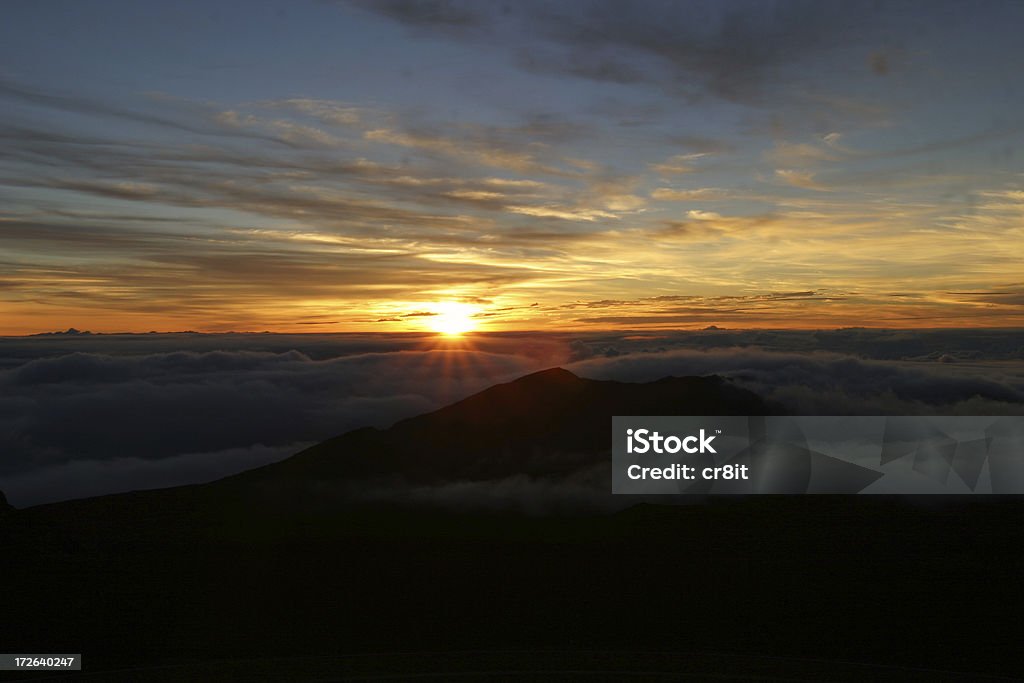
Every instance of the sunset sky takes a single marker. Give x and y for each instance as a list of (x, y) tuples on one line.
[(349, 166)]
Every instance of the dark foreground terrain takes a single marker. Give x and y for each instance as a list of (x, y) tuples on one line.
[(285, 573)]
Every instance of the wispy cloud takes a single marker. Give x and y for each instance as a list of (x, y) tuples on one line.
[(801, 179), (673, 195)]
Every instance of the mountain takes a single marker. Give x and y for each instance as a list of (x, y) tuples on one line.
[(247, 579), (547, 424)]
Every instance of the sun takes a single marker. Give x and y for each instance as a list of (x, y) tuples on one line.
[(453, 318)]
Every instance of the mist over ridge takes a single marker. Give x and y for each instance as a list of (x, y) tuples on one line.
[(92, 414)]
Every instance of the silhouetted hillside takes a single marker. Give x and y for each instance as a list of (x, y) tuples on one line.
[(242, 580), (548, 423)]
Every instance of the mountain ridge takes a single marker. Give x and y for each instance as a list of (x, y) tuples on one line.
[(547, 423), (266, 565)]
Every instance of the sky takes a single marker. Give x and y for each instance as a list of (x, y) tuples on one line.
[(373, 166)]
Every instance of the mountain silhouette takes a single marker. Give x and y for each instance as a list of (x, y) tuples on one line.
[(548, 423), (253, 577)]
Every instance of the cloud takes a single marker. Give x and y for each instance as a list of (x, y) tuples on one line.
[(327, 111), (1011, 296), (93, 414), (295, 133), (86, 478), (81, 414), (582, 64), (828, 383), (438, 14), (583, 491), (728, 50), (348, 212), (801, 154), (180, 115), (801, 179), (705, 225), (568, 214), (345, 228), (678, 164), (667, 194), (486, 154)]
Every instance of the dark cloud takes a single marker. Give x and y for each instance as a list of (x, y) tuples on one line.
[(426, 13), (702, 145), (727, 49), (1011, 296), (584, 65)]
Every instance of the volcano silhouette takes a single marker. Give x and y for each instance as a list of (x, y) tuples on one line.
[(548, 423), (254, 577)]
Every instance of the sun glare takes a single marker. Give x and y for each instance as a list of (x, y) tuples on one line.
[(453, 318)]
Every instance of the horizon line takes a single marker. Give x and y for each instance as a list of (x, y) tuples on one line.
[(73, 332)]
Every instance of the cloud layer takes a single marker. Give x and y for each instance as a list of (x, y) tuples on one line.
[(85, 415), (111, 421)]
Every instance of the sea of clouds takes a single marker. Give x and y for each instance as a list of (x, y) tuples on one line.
[(84, 415)]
